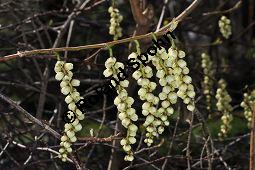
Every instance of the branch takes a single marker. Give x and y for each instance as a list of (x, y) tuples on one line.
[(184, 14), (39, 148), (252, 142), (138, 13), (29, 116), (80, 7), (96, 139), (162, 31), (236, 6), (40, 123)]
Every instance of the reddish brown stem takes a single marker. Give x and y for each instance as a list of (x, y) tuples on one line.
[(162, 31), (137, 13), (252, 141)]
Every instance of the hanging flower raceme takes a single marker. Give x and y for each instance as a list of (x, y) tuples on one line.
[(182, 81), (225, 27), (143, 75), (126, 113), (223, 105), (208, 71), (115, 21), (248, 104), (167, 95), (172, 72), (68, 84)]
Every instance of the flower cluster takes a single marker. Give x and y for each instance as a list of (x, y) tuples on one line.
[(142, 75), (225, 26), (223, 105), (207, 66), (182, 81), (172, 72), (247, 104), (115, 20), (126, 113), (64, 74), (167, 95)]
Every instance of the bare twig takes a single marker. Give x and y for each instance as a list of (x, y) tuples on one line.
[(138, 13), (30, 117), (95, 139), (3, 149), (252, 142), (184, 14), (162, 15), (39, 148), (236, 6), (162, 31), (188, 142)]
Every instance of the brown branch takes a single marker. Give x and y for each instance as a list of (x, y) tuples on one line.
[(184, 14), (114, 161), (43, 91), (37, 148), (38, 122), (96, 139), (143, 17), (139, 17), (236, 6), (93, 5), (30, 117), (188, 142), (151, 148), (252, 142), (153, 161), (64, 27), (76, 162), (162, 31)]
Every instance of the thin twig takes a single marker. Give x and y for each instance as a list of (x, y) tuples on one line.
[(161, 15), (188, 142), (236, 6), (39, 148), (3, 149), (30, 117), (69, 36), (252, 142), (184, 14), (162, 31), (95, 139)]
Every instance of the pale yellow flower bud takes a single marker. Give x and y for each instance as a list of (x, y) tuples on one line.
[(59, 76), (68, 66)]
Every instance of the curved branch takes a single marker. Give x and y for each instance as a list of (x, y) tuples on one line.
[(162, 31)]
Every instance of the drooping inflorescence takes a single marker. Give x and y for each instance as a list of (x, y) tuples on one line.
[(225, 27), (167, 96), (207, 84), (224, 106), (248, 104), (182, 81), (142, 75), (68, 84), (172, 72), (115, 21), (126, 113)]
